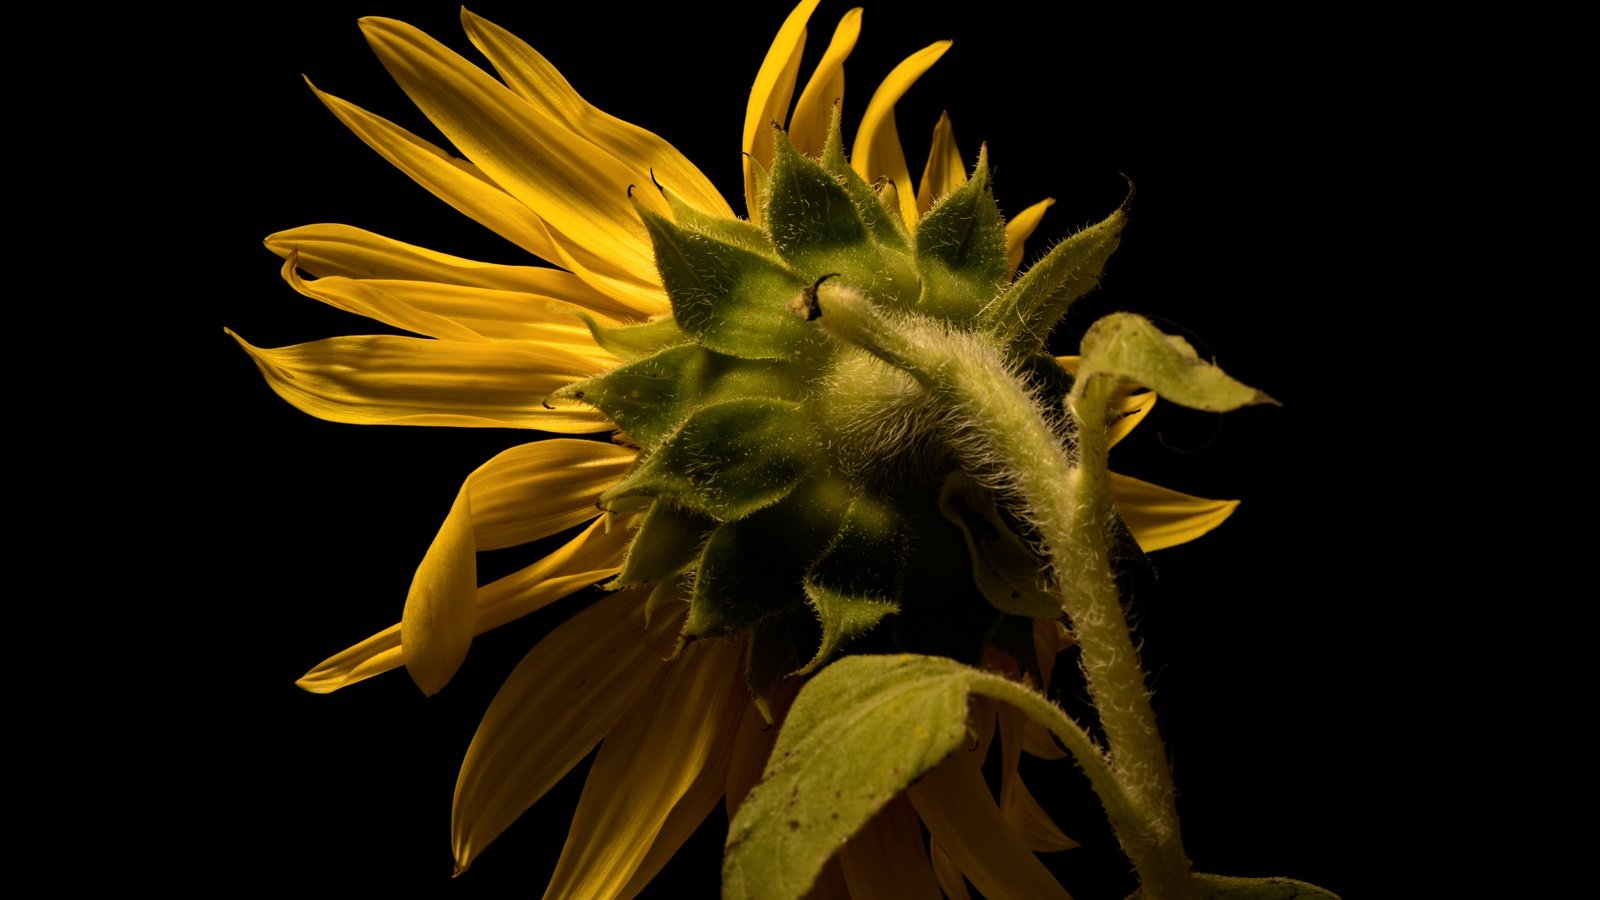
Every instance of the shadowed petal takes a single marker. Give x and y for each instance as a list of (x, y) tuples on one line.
[(770, 96), (647, 765), (565, 695), (948, 873), (538, 82), (945, 171), (389, 380), (1160, 517), (808, 128), (877, 152), (1021, 811), (955, 804), (885, 860), (576, 188), (1020, 227)]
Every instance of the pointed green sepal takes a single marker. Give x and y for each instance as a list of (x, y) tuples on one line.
[(882, 221), (1024, 315), (737, 232), (856, 582), (771, 656), (1226, 887), (1009, 575), (961, 250), (809, 214), (731, 299), (651, 397), (1128, 346), (633, 342), (666, 544), (727, 461)]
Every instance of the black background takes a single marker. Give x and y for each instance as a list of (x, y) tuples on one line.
[(1318, 661)]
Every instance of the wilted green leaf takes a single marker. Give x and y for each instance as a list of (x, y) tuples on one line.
[(1227, 887), (1128, 346)]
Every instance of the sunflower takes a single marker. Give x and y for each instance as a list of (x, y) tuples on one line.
[(676, 687)]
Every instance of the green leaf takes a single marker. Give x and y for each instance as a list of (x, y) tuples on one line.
[(961, 250), (1227, 887), (633, 342), (883, 224), (651, 397), (666, 544), (753, 567), (1008, 574), (1128, 346), (1024, 315), (731, 299), (856, 581), (727, 461), (859, 733)]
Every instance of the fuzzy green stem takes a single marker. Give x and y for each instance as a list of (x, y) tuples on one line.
[(1000, 433)]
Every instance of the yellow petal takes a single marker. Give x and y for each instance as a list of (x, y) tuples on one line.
[(754, 744), (1050, 637), (1037, 741), (945, 171), (1128, 411), (770, 96), (830, 883), (543, 488), (325, 250), (456, 312), (955, 804), (578, 189), (445, 177), (948, 873), (436, 627), (1021, 811), (808, 128), (390, 380), (565, 695), (538, 82), (885, 860), (1160, 517), (587, 559), (1020, 227), (697, 803), (648, 764), (877, 152)]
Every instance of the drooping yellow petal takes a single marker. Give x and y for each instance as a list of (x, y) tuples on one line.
[(770, 96), (538, 82), (587, 559), (701, 798), (1128, 412), (458, 313), (436, 627), (1160, 517), (955, 804), (1020, 227), (808, 128), (343, 250), (445, 177), (575, 187), (948, 873), (1021, 811), (877, 152), (885, 860), (945, 171), (390, 380), (565, 695), (647, 765)]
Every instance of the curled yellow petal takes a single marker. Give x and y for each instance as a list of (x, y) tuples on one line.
[(543, 488), (770, 96), (390, 380), (589, 558), (1160, 517), (1020, 227), (885, 860), (808, 127), (570, 691), (647, 765), (538, 82), (436, 627), (945, 171), (877, 152), (955, 804)]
